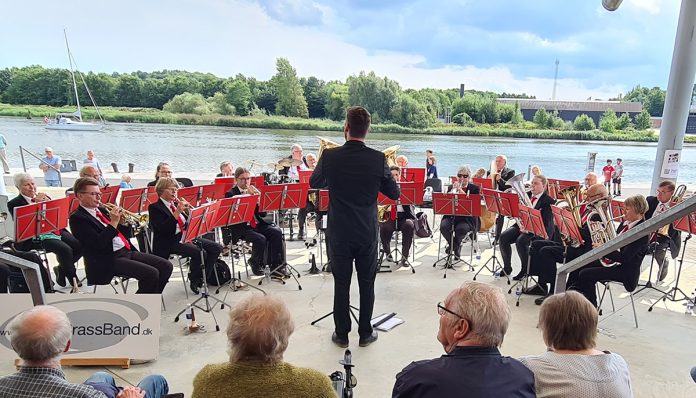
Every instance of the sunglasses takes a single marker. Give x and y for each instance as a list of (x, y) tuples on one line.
[(463, 175)]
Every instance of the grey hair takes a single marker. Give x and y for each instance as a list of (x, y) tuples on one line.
[(225, 163), (259, 329), (310, 155), (485, 308), (296, 146), (464, 168), (40, 334), (84, 169), (20, 178)]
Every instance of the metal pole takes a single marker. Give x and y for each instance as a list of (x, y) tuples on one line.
[(679, 89), (21, 153)]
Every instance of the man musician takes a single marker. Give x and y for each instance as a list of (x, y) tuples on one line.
[(541, 201), (545, 254), (264, 237), (462, 225), (657, 205), (293, 172), (501, 175), (61, 243), (401, 217), (104, 236), (168, 219)]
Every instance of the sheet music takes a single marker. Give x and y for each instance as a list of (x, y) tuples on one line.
[(386, 322)]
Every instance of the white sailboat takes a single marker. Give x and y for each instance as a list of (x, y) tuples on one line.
[(73, 121)]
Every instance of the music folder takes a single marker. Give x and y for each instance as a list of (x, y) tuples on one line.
[(200, 221), (283, 196), (564, 220), (457, 204), (40, 218), (531, 221), (235, 210)]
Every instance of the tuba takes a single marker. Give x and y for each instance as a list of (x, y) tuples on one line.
[(325, 143), (570, 202), (677, 197), (516, 185), (390, 155), (601, 231), (383, 213)]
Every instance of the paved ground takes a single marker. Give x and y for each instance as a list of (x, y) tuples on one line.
[(660, 351)]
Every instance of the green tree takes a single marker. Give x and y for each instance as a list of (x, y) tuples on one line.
[(187, 103), (463, 119), (378, 95), (642, 120), (291, 100), (608, 121), (314, 94), (336, 100), (411, 113), (517, 117), (218, 104), (541, 118), (238, 94), (263, 95), (506, 112), (584, 123), (128, 91), (623, 122)]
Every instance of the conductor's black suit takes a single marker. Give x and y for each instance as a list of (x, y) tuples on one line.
[(354, 175)]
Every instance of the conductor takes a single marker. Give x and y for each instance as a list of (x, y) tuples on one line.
[(354, 175)]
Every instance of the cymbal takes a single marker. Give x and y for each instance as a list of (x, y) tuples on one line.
[(285, 162), (254, 163), (275, 166), (295, 162)]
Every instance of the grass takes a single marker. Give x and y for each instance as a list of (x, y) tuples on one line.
[(149, 115)]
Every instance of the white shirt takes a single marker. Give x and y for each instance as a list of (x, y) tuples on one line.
[(116, 242), (661, 208), (294, 171), (181, 216), (535, 200)]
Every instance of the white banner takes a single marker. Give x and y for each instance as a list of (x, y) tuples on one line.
[(104, 326), (670, 164)]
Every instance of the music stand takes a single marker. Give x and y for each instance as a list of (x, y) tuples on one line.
[(506, 204), (618, 210), (231, 211), (283, 197), (454, 204), (41, 218), (305, 175), (556, 186), (530, 222), (413, 174), (200, 223), (109, 194), (226, 182), (685, 224), (74, 202), (482, 182)]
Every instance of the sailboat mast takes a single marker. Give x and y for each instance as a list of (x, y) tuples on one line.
[(72, 73)]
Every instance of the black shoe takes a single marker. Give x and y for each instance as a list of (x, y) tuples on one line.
[(341, 342), (403, 262), (258, 271), (519, 276), (505, 271), (327, 267), (535, 291), (540, 300), (195, 286), (60, 277), (301, 235), (663, 271), (364, 342)]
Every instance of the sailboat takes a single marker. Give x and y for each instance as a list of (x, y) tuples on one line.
[(73, 120)]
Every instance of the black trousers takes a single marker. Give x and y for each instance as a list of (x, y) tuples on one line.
[(67, 250), (545, 255), (274, 241), (595, 272), (302, 216), (152, 272), (211, 252), (365, 257), (5, 270), (407, 228), (461, 228), (327, 233), (499, 221)]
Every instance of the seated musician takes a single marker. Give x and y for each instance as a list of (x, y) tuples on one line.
[(627, 260), (545, 254), (89, 171), (541, 201), (500, 175), (104, 235), (656, 205), (226, 169), (590, 179), (61, 243), (401, 217), (402, 161), (461, 225), (311, 160), (293, 172), (168, 219), (262, 235), (165, 170)]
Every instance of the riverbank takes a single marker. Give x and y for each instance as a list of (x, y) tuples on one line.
[(150, 115)]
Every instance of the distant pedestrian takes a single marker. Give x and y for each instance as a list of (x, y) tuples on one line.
[(608, 172), (3, 154), (50, 165), (92, 161), (618, 173), (126, 181), (428, 154), (431, 170)]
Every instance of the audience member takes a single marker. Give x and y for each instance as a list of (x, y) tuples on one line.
[(126, 182), (50, 165), (258, 334), (402, 161), (572, 366), (473, 322)]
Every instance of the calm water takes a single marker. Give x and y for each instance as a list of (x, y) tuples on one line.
[(202, 148)]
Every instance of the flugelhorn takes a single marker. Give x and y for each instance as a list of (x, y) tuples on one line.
[(250, 190)]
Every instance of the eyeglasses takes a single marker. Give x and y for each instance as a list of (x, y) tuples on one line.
[(663, 192), (463, 175), (97, 194), (441, 309)]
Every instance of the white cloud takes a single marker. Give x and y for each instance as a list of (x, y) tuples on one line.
[(651, 6)]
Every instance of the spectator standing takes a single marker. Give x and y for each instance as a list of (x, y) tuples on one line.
[(92, 161), (50, 166), (3, 154), (431, 170), (608, 173), (618, 173)]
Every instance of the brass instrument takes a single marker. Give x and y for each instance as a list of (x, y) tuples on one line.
[(390, 155), (250, 190), (325, 144), (570, 202), (516, 185), (137, 221), (383, 213), (677, 197), (493, 173), (601, 231)]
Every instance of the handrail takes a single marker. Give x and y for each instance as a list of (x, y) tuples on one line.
[(31, 275), (682, 209), (24, 166)]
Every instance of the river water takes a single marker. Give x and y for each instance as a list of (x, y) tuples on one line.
[(200, 149)]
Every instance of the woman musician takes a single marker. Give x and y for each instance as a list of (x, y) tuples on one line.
[(168, 219), (541, 201), (461, 225), (105, 239), (401, 217), (627, 259), (260, 234)]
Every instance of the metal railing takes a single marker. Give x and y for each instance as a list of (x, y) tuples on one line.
[(31, 275), (682, 209), (22, 150)]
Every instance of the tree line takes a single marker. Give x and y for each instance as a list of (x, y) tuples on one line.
[(284, 94)]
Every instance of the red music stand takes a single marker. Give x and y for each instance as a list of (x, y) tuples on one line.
[(482, 182), (40, 218), (504, 204), (305, 176), (618, 210), (226, 182), (137, 200), (531, 222), (411, 192), (323, 199), (565, 221), (455, 204), (556, 186), (383, 200), (191, 194), (109, 194), (413, 174), (74, 202), (257, 181), (283, 196)]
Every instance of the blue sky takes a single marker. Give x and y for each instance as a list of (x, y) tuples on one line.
[(499, 45)]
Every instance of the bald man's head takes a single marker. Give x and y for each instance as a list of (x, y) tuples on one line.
[(40, 334), (596, 191), (590, 179)]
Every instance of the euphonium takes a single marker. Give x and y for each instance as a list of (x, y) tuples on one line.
[(600, 231), (516, 185), (570, 200), (325, 144), (390, 155), (677, 197)]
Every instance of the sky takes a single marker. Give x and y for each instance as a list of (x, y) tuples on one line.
[(498, 45)]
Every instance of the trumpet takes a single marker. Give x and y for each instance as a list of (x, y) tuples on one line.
[(250, 190), (137, 221)]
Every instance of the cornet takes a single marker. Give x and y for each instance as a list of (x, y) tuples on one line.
[(250, 190), (137, 221)]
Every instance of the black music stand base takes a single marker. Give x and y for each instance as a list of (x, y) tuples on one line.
[(673, 291), (236, 279), (649, 284), (450, 262), (496, 266), (350, 308), (524, 282), (292, 271)]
